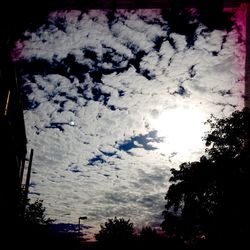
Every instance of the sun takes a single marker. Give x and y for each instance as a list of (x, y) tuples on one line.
[(182, 130)]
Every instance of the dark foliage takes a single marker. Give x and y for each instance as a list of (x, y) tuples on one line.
[(116, 232), (208, 199), (149, 238), (35, 214), (34, 229)]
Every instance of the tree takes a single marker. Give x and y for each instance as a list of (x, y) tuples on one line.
[(35, 214), (208, 198), (32, 212), (148, 234), (149, 237), (116, 231), (33, 226)]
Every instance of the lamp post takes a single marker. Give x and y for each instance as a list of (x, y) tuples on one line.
[(79, 224)]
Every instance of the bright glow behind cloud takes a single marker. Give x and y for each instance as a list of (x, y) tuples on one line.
[(97, 89), (183, 129)]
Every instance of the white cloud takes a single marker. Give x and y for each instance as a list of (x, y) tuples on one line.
[(88, 129)]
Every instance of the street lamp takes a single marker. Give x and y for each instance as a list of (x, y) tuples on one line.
[(79, 225)]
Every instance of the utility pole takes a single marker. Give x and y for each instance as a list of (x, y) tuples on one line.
[(26, 189)]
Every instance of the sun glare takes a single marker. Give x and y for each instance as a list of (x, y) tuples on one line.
[(182, 130)]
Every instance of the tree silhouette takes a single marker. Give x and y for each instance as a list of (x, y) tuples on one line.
[(33, 225), (117, 231), (32, 212), (148, 234), (35, 214), (149, 238), (208, 199)]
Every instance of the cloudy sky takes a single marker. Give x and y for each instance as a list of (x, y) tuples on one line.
[(113, 102)]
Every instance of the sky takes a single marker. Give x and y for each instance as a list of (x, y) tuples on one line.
[(113, 102)]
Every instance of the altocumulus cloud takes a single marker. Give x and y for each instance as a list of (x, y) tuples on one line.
[(94, 82)]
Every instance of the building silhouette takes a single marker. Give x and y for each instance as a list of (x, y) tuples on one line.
[(13, 143)]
